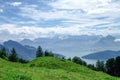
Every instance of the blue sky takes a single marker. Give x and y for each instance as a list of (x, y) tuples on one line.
[(31, 19)]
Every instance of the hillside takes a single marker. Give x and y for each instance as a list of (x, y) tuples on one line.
[(25, 52), (49, 68)]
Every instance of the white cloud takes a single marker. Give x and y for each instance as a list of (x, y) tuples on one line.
[(36, 14), (89, 6), (1, 10), (82, 17), (71, 10), (16, 3), (10, 31), (69, 16), (117, 40), (104, 1), (72, 4)]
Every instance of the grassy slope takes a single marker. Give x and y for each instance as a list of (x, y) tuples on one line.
[(49, 68)]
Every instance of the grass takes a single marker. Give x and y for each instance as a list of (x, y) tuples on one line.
[(49, 68)]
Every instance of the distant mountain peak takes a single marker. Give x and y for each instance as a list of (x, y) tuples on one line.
[(26, 40), (107, 41), (107, 38), (11, 43), (110, 37), (24, 52)]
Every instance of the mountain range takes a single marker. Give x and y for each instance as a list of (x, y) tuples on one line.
[(75, 45), (24, 51), (69, 46)]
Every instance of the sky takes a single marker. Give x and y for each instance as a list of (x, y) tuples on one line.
[(32, 19)]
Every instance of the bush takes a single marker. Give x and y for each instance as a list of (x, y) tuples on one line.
[(22, 77), (78, 60), (91, 66), (32, 65), (4, 54), (48, 53)]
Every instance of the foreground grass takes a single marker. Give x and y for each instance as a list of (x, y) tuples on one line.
[(49, 68)]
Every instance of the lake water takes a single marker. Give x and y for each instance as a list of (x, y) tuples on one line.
[(91, 61), (71, 54)]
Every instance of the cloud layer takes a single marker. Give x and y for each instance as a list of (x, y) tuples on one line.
[(47, 18)]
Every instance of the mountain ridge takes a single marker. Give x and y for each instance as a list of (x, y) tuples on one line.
[(76, 45), (102, 55), (24, 51)]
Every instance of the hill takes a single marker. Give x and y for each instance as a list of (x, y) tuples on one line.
[(103, 55), (49, 68)]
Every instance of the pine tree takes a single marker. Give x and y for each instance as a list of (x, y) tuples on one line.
[(100, 66), (3, 54), (23, 60), (91, 66), (39, 52), (110, 66), (69, 59), (48, 53), (117, 66), (13, 56)]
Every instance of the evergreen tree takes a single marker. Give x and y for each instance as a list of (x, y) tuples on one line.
[(13, 56), (78, 60), (84, 63), (23, 61), (47, 53), (91, 66), (69, 59), (117, 66), (110, 66), (3, 54), (113, 66), (39, 52), (100, 66)]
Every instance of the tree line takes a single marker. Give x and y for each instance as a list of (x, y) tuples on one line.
[(112, 66), (41, 53), (13, 56)]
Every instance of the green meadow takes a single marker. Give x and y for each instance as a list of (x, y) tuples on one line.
[(49, 68)]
